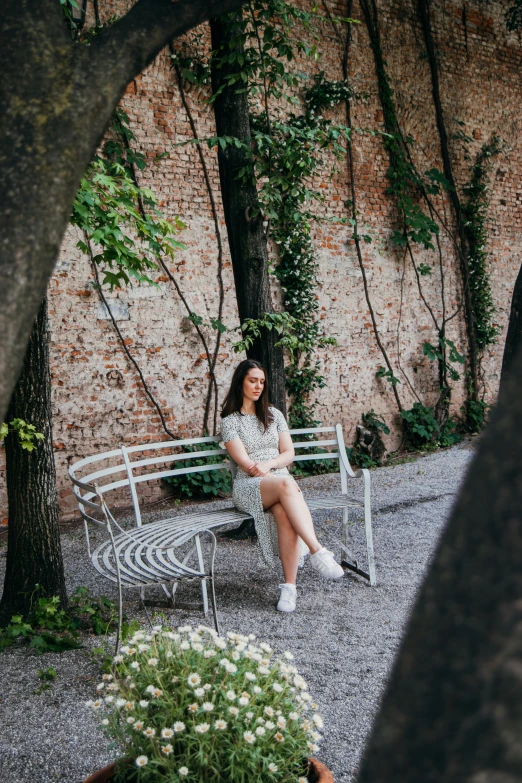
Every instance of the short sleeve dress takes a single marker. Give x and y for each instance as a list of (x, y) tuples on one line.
[(260, 445)]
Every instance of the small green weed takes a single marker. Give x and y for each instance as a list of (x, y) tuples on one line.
[(49, 628)]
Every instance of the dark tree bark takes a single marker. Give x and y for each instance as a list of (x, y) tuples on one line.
[(452, 711), (424, 13), (33, 549), (514, 332), (246, 235), (56, 100)]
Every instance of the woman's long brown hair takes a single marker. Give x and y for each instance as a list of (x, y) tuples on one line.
[(234, 399)]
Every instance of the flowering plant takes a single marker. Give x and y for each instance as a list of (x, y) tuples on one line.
[(189, 705)]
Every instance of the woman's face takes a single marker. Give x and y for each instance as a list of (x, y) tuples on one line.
[(253, 384)]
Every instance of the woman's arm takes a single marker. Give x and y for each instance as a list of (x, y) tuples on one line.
[(237, 451), (286, 456)]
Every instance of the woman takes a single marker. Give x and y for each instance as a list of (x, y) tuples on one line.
[(257, 438)]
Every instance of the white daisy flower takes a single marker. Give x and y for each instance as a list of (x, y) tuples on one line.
[(264, 662), (152, 661), (149, 732), (220, 643), (112, 687), (233, 711), (263, 670), (202, 728), (100, 687), (316, 736), (144, 703), (207, 706), (183, 771), (169, 654), (207, 687), (141, 761), (289, 656), (107, 677), (197, 646), (252, 637), (249, 655), (260, 731), (130, 719), (249, 715), (266, 648), (277, 687), (293, 715), (257, 690), (199, 692), (269, 725), (167, 733), (175, 680), (269, 711), (231, 668), (167, 749), (143, 647), (179, 726), (249, 737), (250, 676), (120, 703), (235, 655), (306, 697), (230, 695), (150, 689), (193, 707), (109, 699), (318, 720), (185, 646), (157, 628), (243, 701), (139, 725), (279, 737), (135, 665), (272, 767), (193, 679), (302, 780), (209, 653), (220, 725), (125, 649), (129, 705), (105, 722), (257, 657)]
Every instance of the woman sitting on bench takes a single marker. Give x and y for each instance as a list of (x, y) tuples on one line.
[(256, 436)]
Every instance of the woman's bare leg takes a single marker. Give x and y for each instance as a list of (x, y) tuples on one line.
[(279, 489), (288, 541)]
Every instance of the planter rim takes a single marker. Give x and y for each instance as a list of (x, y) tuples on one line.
[(103, 775)]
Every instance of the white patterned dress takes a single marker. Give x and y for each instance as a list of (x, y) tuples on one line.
[(260, 446)]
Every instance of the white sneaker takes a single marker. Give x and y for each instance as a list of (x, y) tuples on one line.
[(288, 598), (323, 562)]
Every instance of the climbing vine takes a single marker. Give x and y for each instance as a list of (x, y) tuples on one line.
[(475, 221)]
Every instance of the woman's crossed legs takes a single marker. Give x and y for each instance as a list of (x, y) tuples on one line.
[(285, 500)]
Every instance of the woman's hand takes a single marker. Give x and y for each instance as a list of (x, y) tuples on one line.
[(259, 469)]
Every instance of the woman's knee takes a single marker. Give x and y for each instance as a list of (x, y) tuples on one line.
[(289, 487)]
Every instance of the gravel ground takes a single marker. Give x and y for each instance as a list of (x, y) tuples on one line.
[(344, 635)]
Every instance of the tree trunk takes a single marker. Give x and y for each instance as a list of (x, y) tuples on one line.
[(452, 711), (246, 236), (33, 549), (56, 100), (514, 332)]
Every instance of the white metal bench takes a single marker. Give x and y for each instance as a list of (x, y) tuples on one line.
[(169, 551)]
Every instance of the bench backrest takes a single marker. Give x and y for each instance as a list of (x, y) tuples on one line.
[(129, 466)]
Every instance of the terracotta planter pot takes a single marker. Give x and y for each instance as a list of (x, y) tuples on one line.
[(318, 773)]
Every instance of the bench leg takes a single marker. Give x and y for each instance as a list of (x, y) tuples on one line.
[(368, 528), (204, 594)]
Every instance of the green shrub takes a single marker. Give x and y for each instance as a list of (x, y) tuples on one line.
[(423, 431), (369, 448), (209, 483), (476, 414)]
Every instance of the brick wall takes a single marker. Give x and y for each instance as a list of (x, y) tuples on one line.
[(98, 399)]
